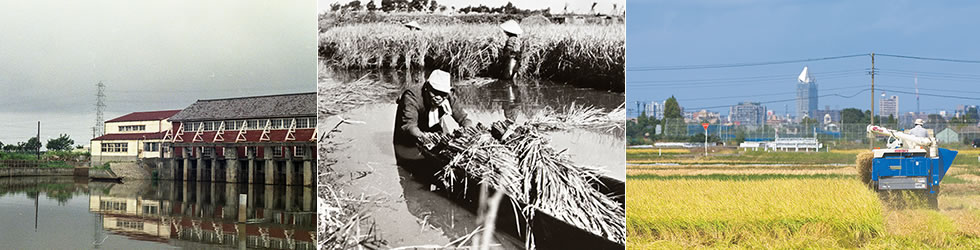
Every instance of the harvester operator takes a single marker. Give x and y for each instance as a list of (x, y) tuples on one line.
[(433, 109), (918, 131)]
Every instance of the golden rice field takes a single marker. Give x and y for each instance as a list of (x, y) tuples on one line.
[(779, 211), (789, 200), (591, 55)]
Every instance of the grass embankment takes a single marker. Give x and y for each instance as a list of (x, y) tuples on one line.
[(50, 159), (586, 55)]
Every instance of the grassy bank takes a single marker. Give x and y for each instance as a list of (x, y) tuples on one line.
[(584, 55)]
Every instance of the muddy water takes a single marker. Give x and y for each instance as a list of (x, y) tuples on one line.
[(410, 214), (65, 213)]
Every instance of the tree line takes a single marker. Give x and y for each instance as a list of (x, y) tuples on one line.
[(430, 6), (62, 143)]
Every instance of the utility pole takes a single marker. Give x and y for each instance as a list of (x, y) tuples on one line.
[(872, 139), (38, 150)]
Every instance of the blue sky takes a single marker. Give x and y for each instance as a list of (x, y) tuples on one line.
[(672, 33)]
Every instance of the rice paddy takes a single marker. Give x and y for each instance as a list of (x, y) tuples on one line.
[(788, 200), (588, 55)]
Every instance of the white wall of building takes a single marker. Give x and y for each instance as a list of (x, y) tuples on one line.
[(151, 126)]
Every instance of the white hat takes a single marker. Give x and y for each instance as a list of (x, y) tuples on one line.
[(439, 80), (919, 122), (512, 27), (413, 25)]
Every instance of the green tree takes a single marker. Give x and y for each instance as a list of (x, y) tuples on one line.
[(32, 145), (674, 125), (62, 143)]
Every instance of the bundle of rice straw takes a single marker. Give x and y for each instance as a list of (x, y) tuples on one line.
[(520, 162), (341, 219), (863, 164), (579, 116)]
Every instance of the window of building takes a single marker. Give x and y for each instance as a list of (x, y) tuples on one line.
[(112, 206), (298, 151), (277, 124), (151, 146), (302, 122), (115, 147), (189, 151), (130, 128), (137, 225), (277, 151), (207, 151), (254, 124), (150, 210)]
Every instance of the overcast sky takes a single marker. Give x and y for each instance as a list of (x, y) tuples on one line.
[(670, 33), (151, 55), (577, 6)]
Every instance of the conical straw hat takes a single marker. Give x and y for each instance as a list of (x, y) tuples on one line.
[(413, 25), (512, 27)]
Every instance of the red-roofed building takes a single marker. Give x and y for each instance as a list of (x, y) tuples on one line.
[(131, 137), (258, 139)]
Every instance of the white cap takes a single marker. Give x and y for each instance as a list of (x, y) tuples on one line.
[(512, 27), (919, 122), (413, 25), (439, 80)]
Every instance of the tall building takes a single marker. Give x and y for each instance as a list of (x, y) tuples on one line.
[(889, 106), (748, 114), (806, 95), (655, 110)]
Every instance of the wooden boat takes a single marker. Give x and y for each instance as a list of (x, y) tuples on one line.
[(549, 232), (106, 178)]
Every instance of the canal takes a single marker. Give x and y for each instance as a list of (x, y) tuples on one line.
[(69, 213), (407, 212)]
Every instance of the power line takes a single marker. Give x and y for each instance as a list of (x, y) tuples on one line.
[(930, 58), (793, 99), (934, 95), (733, 65), (747, 78)]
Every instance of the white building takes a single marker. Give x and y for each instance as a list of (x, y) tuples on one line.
[(133, 136), (889, 106)]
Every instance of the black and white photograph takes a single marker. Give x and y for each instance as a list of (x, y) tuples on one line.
[(469, 124)]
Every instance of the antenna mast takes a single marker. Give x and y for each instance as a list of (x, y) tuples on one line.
[(99, 128)]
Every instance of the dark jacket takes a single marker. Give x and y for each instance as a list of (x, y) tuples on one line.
[(412, 117)]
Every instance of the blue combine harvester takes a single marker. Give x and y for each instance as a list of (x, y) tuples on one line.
[(909, 163)]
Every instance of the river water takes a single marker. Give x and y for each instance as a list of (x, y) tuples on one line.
[(68, 213), (408, 213)]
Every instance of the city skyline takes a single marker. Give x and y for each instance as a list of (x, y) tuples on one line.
[(736, 33)]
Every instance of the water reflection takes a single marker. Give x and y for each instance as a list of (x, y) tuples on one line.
[(158, 214)]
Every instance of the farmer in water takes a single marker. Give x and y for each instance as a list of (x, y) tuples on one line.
[(512, 48), (918, 130), (433, 109)]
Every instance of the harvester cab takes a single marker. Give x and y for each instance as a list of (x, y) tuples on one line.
[(909, 162)]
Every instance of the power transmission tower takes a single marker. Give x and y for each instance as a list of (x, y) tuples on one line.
[(98, 130)]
